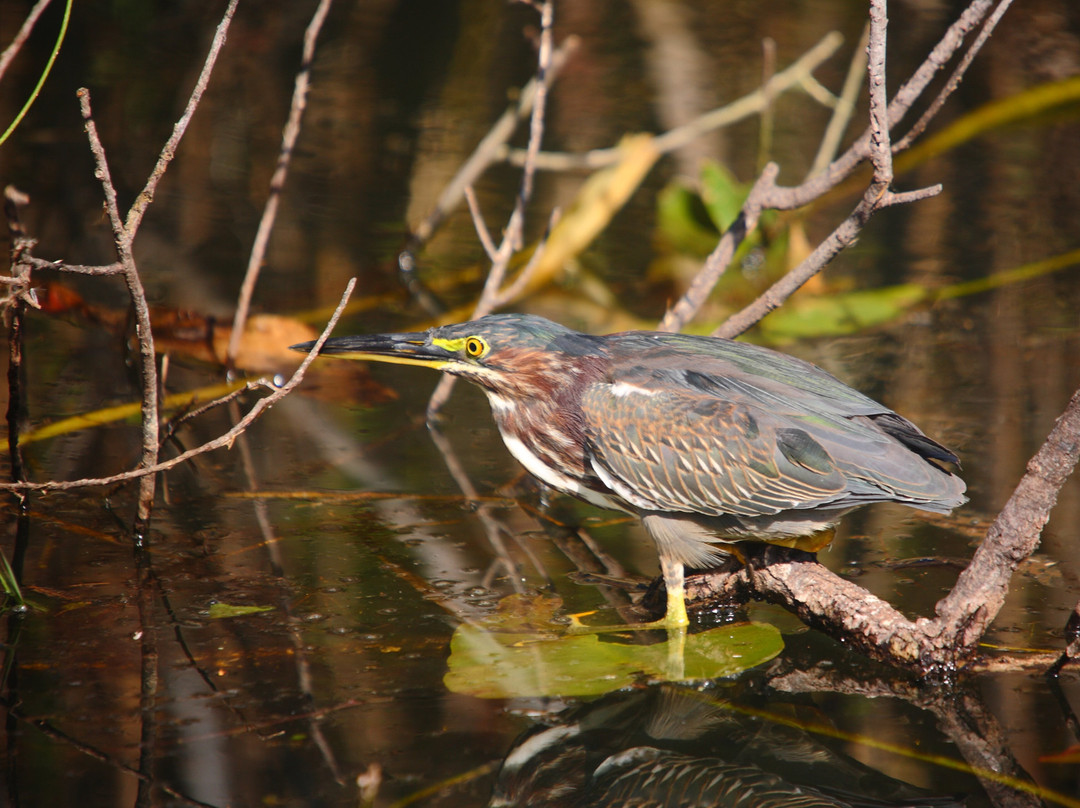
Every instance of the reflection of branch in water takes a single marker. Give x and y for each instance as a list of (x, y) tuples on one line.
[(221, 441), (277, 568), (961, 715), (493, 527), (1072, 644), (595, 566), (144, 779)]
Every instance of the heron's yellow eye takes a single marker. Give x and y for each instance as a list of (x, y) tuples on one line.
[(475, 347)]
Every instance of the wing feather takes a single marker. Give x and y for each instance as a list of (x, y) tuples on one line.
[(678, 450)]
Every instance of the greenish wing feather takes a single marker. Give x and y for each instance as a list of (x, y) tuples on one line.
[(675, 450)]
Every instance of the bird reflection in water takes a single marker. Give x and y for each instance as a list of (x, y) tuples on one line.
[(667, 746)]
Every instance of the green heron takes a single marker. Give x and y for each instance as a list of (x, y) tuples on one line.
[(709, 441)]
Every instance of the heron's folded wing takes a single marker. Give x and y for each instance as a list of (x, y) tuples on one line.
[(681, 451)]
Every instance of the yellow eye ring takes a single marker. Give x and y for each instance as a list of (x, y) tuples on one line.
[(475, 347)]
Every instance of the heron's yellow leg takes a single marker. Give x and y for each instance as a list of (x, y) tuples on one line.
[(674, 618)]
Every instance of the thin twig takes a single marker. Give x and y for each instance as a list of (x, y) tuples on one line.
[(490, 149), (797, 74), (12, 50), (143, 331), (479, 225), (224, 440), (46, 728), (844, 109), (146, 196), (40, 263), (289, 137), (954, 80), (515, 228)]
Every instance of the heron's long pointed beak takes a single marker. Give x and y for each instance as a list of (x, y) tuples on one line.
[(400, 349)]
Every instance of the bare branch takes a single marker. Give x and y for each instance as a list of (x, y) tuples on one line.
[(880, 150), (980, 591), (766, 194), (288, 142), (146, 196), (515, 228), (12, 50), (954, 80), (782, 198), (143, 331)]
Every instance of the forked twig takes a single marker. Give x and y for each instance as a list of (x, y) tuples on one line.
[(766, 194)]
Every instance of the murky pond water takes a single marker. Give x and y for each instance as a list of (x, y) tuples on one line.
[(292, 633)]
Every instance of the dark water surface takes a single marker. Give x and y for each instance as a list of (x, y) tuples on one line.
[(338, 672)]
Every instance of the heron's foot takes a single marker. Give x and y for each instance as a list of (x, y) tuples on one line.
[(674, 620)]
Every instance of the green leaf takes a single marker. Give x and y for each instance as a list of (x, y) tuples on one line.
[(722, 194), (841, 313), (220, 611), (493, 664), (683, 221), (108, 415)]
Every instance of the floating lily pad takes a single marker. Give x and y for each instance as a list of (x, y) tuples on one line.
[(219, 611), (503, 664)]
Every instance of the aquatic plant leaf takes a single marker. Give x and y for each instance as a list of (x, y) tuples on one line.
[(722, 194), (492, 664), (1022, 106), (220, 611), (108, 415), (683, 221), (840, 313)]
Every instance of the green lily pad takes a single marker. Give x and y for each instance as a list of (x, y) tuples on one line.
[(219, 611), (498, 664)]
